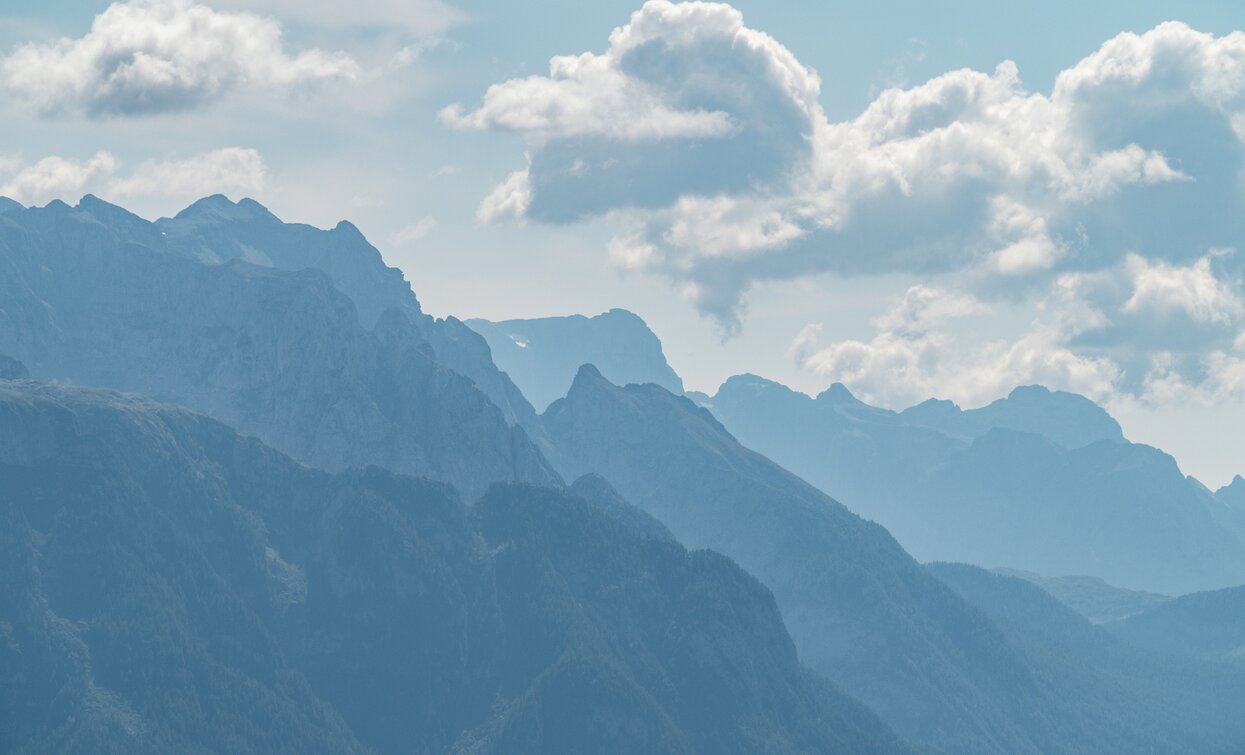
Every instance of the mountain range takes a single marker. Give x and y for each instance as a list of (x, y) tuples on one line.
[(97, 296), (395, 561), (543, 355), (171, 586), (1039, 481)]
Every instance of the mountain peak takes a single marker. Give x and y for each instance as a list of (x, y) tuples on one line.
[(1031, 392), (542, 354), (752, 383), (107, 211), (1233, 493), (10, 205), (220, 207), (838, 393), (587, 376)]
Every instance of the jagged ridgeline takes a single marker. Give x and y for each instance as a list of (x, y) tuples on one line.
[(169, 586), (301, 336)]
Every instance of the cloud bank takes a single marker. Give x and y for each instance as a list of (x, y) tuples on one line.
[(145, 57), (228, 170), (704, 139), (1109, 205)]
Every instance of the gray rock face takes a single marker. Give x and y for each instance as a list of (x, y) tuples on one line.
[(1040, 481), (542, 355), (94, 296), (215, 230)]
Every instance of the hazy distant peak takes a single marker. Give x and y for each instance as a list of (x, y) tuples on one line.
[(109, 213), (347, 228), (9, 205), (587, 378), (1233, 493), (932, 410), (219, 207), (838, 393), (752, 383), (542, 354)]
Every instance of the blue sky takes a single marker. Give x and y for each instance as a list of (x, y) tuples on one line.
[(750, 231)]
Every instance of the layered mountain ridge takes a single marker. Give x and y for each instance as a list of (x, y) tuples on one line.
[(97, 296), (542, 355), (171, 586)]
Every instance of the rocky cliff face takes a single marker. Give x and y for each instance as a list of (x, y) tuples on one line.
[(167, 585), (95, 296), (543, 354), (215, 230)]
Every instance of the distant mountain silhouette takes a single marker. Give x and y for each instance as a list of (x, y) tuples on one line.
[(1090, 596), (1206, 625), (1040, 481), (97, 296), (1068, 419), (169, 586), (860, 610), (542, 355), (1153, 701)]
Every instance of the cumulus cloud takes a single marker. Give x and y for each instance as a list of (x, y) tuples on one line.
[(686, 100), (1141, 330), (231, 169), (156, 56), (704, 140), (509, 199), (56, 177), (913, 356), (228, 170)]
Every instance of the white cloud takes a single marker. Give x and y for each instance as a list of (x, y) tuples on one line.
[(155, 56), (686, 100), (705, 140), (228, 170), (56, 178), (509, 199), (914, 356), (231, 169), (413, 232), (1192, 290)]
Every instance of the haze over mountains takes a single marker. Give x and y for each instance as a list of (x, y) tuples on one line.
[(396, 563), (1041, 480), (97, 296), (169, 585), (543, 355)]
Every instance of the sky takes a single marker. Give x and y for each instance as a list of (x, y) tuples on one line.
[(914, 199)]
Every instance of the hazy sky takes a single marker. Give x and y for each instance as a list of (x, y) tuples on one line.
[(914, 198)]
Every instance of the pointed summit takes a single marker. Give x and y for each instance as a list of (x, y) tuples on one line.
[(838, 393), (542, 355), (588, 378), (218, 207)]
